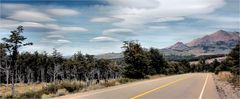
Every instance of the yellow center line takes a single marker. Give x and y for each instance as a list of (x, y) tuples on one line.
[(158, 88)]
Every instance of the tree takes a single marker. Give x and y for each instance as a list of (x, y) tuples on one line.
[(214, 65), (157, 61), (135, 58), (57, 60), (103, 69), (4, 62), (185, 66), (202, 65), (233, 60), (13, 43)]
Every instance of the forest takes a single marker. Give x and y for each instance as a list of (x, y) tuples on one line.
[(138, 63)]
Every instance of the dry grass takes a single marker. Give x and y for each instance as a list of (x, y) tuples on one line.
[(109, 83), (225, 75), (228, 76), (156, 76), (47, 90), (20, 88)]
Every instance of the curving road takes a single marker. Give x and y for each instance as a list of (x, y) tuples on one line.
[(185, 86)]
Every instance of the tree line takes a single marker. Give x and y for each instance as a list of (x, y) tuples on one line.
[(44, 67)]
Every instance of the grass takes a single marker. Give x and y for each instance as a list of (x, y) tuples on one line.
[(20, 88), (228, 76), (225, 75), (61, 92), (59, 88), (125, 80), (109, 83), (36, 91)]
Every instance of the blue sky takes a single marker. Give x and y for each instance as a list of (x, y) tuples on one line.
[(100, 26)]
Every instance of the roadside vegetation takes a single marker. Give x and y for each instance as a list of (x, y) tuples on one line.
[(227, 85), (43, 75)]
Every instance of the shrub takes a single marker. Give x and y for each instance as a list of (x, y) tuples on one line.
[(61, 92), (125, 80), (45, 96), (235, 81), (71, 86), (225, 75), (108, 84), (32, 95), (51, 88)]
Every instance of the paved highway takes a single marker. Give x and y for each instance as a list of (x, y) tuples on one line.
[(185, 86)]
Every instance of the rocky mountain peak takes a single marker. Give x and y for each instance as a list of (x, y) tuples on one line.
[(219, 35), (179, 46)]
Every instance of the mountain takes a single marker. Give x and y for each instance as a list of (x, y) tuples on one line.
[(179, 46), (220, 35), (220, 42)]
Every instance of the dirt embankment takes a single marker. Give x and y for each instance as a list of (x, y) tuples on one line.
[(226, 89)]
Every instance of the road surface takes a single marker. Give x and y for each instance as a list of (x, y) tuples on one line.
[(185, 86)]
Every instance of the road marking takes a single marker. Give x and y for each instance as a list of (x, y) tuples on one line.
[(158, 88), (205, 83)]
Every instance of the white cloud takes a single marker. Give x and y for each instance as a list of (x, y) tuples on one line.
[(54, 42), (220, 21), (218, 18), (136, 16), (118, 31), (104, 39), (29, 26), (55, 36), (32, 16), (63, 12), (158, 27), (4, 23), (105, 19), (63, 41), (10, 6), (134, 3), (73, 29), (167, 19), (40, 27)]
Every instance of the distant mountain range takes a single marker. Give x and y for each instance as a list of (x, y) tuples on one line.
[(220, 42)]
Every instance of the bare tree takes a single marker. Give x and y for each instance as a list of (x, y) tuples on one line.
[(13, 43), (57, 64)]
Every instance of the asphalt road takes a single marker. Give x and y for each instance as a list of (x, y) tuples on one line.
[(185, 86)]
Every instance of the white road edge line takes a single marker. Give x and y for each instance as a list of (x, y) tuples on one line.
[(205, 83)]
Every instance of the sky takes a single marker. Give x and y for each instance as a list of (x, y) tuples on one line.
[(100, 26)]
